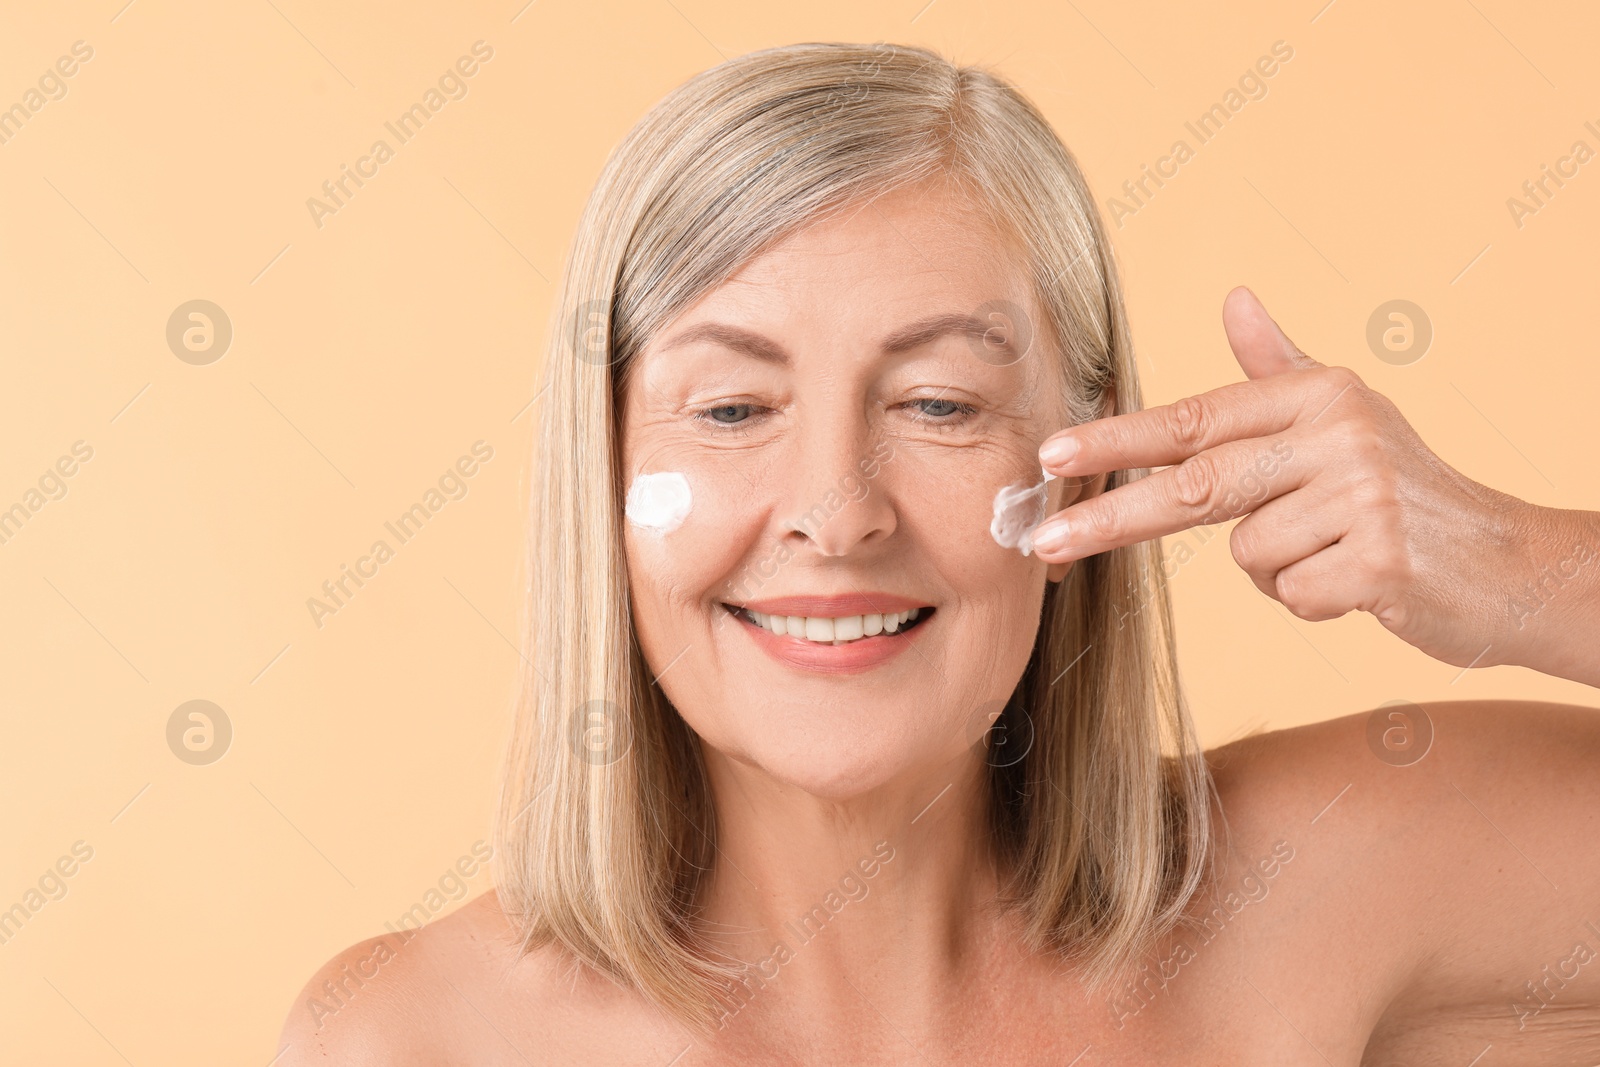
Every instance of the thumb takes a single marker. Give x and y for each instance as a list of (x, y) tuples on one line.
[(1261, 348)]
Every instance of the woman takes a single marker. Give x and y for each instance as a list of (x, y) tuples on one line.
[(832, 752)]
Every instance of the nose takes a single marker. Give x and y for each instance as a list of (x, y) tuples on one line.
[(835, 498)]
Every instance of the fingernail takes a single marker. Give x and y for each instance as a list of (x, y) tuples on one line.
[(1050, 537), (1056, 452)]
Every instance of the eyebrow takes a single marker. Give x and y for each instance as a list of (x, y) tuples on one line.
[(930, 329), (904, 339)]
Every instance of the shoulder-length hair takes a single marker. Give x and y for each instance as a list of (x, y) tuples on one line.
[(606, 828)]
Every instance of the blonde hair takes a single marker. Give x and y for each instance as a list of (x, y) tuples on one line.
[(605, 832)]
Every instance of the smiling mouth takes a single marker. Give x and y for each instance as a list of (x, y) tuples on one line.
[(844, 630)]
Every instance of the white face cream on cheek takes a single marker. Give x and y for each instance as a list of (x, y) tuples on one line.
[(659, 501), (1018, 509)]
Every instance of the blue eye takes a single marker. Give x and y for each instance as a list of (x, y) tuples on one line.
[(944, 407), (939, 412), (729, 414), (730, 418)]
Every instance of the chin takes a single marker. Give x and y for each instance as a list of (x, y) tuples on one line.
[(838, 762)]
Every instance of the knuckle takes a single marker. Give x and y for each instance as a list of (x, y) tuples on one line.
[(1368, 446), (1339, 382), (1190, 422), (1356, 438), (1387, 489), (1102, 523), (1343, 378), (1194, 482), (1376, 494)]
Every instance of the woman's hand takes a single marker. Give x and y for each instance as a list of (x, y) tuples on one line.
[(1344, 508)]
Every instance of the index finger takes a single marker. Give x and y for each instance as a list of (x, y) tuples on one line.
[(1171, 433)]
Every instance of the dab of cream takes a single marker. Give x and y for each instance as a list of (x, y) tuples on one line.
[(658, 501), (1018, 510)]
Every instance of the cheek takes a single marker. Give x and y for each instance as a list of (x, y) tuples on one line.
[(676, 575), (948, 501), (992, 595)]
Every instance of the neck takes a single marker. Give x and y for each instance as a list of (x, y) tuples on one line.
[(853, 906)]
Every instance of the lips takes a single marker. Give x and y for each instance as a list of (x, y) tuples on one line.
[(842, 634), (835, 631)]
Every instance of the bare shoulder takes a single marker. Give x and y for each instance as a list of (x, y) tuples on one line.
[(1402, 752), (1443, 851), (398, 998), (461, 989)]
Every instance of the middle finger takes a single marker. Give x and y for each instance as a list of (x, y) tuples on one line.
[(1219, 484)]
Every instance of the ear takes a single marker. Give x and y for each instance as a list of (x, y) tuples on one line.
[(1058, 571)]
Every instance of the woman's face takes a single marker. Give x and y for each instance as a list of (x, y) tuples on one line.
[(842, 441)]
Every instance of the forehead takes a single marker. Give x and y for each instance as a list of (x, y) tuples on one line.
[(877, 263)]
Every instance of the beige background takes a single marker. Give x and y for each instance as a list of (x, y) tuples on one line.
[(370, 353)]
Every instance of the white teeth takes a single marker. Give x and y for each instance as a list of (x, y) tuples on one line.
[(830, 631)]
